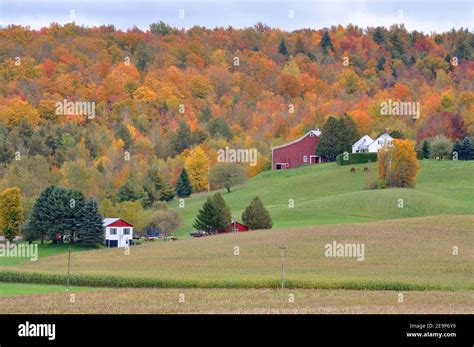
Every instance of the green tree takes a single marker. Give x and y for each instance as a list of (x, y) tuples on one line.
[(256, 216), (11, 213), (206, 216), (227, 175), (337, 136), (183, 186), (467, 150), (132, 191), (426, 149), (91, 229), (326, 42), (282, 48), (222, 215), (142, 55), (157, 187)]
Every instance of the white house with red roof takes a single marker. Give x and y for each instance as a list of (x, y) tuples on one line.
[(118, 233)]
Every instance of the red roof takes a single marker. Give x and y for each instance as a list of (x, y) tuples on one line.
[(117, 223)]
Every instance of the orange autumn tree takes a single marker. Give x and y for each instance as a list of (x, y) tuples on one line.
[(397, 164)]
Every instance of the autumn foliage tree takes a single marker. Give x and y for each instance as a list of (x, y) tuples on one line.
[(397, 164), (11, 213)]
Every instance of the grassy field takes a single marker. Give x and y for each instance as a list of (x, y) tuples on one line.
[(255, 301), (44, 250), (330, 194), (9, 289), (404, 254)]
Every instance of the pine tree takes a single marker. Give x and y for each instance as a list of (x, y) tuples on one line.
[(282, 48), (256, 216), (40, 219), (326, 43), (457, 151), (222, 217), (206, 216), (426, 149), (91, 230), (467, 149), (337, 136), (183, 186)]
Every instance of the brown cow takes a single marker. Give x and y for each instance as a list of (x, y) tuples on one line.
[(353, 170), (366, 169)]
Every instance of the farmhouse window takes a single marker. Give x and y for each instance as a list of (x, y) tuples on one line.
[(305, 158), (113, 231), (126, 231)]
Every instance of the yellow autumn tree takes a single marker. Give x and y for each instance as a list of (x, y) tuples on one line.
[(16, 109), (11, 213), (397, 164), (197, 165)]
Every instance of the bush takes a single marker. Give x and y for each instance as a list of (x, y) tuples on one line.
[(420, 155), (356, 158)]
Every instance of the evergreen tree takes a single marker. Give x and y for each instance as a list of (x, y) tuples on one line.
[(183, 186), (282, 48), (182, 139), (142, 55), (157, 187), (467, 149), (337, 136), (222, 217), (326, 43), (379, 36), (457, 151), (57, 211), (426, 149), (256, 216), (206, 216), (91, 229), (41, 219), (132, 191)]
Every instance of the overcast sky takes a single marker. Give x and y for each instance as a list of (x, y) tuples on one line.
[(421, 15)]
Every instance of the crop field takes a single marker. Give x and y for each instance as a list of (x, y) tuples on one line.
[(241, 301), (404, 254)]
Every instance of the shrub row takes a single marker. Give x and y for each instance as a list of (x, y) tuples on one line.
[(356, 158), (137, 282)]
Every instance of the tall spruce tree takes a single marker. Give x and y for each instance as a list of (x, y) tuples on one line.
[(183, 186), (457, 152), (282, 48), (41, 218), (426, 149), (467, 149), (326, 42), (206, 216), (222, 216), (91, 230), (256, 216)]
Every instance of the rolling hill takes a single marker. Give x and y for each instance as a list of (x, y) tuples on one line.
[(330, 194)]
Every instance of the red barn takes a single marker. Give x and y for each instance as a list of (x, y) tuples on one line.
[(233, 227), (296, 153)]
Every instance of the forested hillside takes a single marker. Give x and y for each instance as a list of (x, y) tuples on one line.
[(165, 99)]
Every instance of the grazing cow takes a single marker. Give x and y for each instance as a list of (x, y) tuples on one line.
[(366, 169), (353, 170)]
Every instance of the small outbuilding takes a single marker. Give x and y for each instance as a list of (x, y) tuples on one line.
[(118, 233)]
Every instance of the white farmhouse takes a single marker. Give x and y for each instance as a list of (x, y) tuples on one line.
[(118, 233), (367, 145), (362, 145)]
